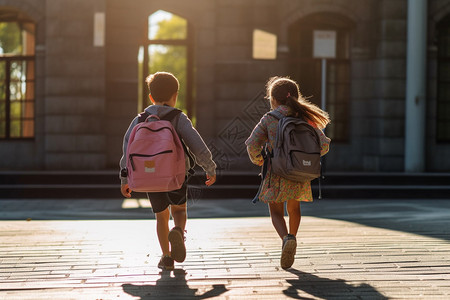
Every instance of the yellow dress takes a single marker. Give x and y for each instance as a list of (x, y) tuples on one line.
[(274, 187)]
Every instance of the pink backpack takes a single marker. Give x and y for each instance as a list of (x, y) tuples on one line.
[(155, 156)]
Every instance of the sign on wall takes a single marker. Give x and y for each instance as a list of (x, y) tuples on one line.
[(324, 44)]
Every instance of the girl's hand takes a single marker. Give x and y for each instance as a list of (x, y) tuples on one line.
[(126, 191), (211, 180)]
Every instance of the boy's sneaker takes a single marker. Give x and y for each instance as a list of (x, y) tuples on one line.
[(288, 251), (177, 247), (166, 263)]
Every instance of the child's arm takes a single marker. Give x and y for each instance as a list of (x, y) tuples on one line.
[(123, 161), (256, 142), (197, 146), (324, 142), (211, 180)]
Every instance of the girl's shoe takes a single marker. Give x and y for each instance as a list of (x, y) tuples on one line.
[(288, 251), (166, 263), (177, 247)]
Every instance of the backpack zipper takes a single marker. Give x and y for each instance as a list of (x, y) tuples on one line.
[(145, 155), (153, 130)]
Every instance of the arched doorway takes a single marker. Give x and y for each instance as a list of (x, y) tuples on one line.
[(168, 47), (307, 70)]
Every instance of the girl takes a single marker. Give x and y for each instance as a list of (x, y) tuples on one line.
[(284, 96)]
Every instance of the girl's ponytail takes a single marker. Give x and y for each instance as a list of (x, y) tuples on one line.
[(286, 92), (294, 106)]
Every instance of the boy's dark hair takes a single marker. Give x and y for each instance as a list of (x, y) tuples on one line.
[(162, 86)]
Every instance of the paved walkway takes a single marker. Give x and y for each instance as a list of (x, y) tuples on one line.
[(347, 250)]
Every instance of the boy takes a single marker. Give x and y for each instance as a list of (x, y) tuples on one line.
[(163, 88)]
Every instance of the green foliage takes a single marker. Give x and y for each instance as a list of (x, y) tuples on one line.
[(170, 58), (10, 38), (174, 28)]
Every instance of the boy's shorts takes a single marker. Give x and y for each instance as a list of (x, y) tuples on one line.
[(160, 201)]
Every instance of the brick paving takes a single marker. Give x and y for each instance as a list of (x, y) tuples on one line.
[(228, 258)]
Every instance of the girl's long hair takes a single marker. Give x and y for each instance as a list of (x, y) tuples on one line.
[(286, 92)]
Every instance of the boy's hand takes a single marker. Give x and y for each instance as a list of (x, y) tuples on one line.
[(211, 180), (126, 191)]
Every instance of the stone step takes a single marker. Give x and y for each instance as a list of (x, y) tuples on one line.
[(105, 184)]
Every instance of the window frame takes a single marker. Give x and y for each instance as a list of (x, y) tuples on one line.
[(11, 16)]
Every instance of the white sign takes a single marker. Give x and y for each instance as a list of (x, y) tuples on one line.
[(324, 44), (99, 29)]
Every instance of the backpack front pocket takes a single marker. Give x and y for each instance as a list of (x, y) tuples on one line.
[(149, 165)]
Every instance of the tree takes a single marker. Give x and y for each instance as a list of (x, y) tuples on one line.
[(171, 58), (10, 38)]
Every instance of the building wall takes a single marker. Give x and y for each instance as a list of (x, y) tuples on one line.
[(385, 137), (86, 96), (74, 87)]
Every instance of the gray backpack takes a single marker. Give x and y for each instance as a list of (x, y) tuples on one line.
[(296, 153)]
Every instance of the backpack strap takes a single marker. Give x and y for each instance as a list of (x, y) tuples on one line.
[(168, 117), (276, 114), (143, 116), (267, 155), (171, 115)]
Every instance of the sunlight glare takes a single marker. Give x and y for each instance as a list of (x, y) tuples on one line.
[(144, 203), (133, 203), (153, 21), (130, 204)]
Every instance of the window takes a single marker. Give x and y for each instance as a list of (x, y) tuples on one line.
[(443, 82), (264, 45), (17, 81), (168, 49), (307, 70)]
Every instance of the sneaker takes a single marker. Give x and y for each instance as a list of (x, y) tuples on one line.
[(177, 247), (288, 251), (166, 263)]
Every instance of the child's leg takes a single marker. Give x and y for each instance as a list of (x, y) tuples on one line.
[(176, 235), (179, 214), (294, 212), (277, 216), (162, 229), (289, 243)]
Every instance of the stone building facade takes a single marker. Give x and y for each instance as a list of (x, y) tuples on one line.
[(86, 77)]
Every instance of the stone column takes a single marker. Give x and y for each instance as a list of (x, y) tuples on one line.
[(415, 86)]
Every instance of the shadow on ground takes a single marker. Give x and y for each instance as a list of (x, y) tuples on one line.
[(325, 288), (424, 217), (168, 287), (176, 287)]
